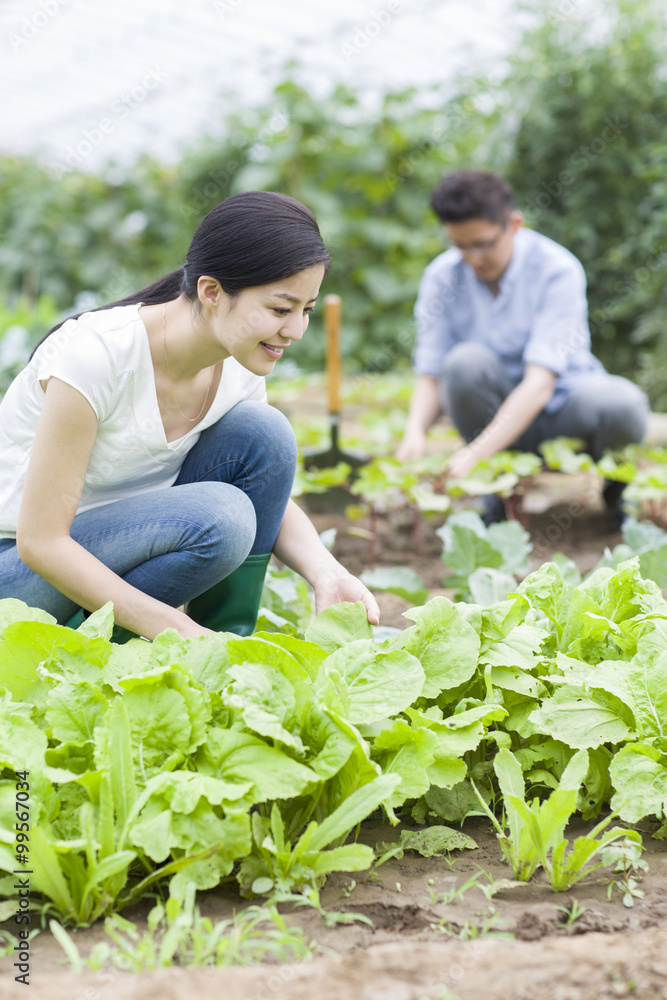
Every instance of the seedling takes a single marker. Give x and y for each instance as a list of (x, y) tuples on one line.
[(505, 474), (624, 859), (536, 830), (280, 866), (473, 929), (331, 918), (9, 943), (178, 934), (574, 913), (454, 893)]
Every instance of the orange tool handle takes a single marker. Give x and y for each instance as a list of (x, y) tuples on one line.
[(332, 325)]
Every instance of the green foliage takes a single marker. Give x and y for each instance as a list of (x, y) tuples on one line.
[(536, 830), (587, 163), (642, 468), (484, 560), (67, 234), (364, 170), (254, 758), (576, 123), (399, 580), (566, 455), (499, 474), (178, 934), (320, 480), (22, 325)]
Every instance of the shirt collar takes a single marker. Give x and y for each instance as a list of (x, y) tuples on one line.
[(514, 266)]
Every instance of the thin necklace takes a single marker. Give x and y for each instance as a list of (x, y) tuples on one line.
[(191, 420)]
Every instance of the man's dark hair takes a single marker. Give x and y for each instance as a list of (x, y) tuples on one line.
[(472, 194)]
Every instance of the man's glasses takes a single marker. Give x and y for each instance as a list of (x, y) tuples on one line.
[(481, 247)]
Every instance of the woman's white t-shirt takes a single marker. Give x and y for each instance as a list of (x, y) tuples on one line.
[(106, 356)]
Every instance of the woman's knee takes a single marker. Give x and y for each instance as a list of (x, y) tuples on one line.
[(273, 429), (268, 435), (223, 518)]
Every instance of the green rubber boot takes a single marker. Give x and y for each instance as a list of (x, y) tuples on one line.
[(232, 604), (77, 619)]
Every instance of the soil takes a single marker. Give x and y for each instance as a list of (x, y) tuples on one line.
[(515, 946)]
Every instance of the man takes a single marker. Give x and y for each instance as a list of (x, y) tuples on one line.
[(503, 341)]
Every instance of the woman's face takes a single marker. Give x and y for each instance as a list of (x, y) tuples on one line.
[(261, 323)]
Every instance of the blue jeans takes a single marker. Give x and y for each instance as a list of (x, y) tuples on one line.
[(173, 544)]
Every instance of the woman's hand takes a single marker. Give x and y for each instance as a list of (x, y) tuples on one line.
[(334, 588), (300, 547)]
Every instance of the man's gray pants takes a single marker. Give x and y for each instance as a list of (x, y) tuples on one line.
[(606, 411)]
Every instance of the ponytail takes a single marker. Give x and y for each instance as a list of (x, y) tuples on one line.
[(249, 239), (166, 288)]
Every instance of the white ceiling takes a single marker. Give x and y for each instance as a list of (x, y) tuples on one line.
[(125, 76)]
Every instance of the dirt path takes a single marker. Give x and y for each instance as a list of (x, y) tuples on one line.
[(419, 947), (594, 967)]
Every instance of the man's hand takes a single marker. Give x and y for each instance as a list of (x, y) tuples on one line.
[(514, 416), (424, 410), (461, 463), (413, 445)]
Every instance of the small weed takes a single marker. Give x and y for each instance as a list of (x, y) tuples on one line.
[(447, 897), (330, 917), (178, 934), (573, 914), (9, 942), (347, 890), (373, 877), (628, 887), (473, 929), (450, 895), (624, 859)]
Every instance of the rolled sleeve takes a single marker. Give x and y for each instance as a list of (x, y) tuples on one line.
[(434, 337), (560, 327)]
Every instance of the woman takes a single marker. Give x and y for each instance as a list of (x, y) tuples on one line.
[(140, 461)]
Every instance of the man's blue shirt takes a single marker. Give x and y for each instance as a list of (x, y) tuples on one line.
[(539, 316)]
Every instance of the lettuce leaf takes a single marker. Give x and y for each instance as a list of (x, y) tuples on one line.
[(363, 684)]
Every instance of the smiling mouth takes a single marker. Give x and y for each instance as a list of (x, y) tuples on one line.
[(272, 349)]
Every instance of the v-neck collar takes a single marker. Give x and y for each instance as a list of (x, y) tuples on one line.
[(146, 422)]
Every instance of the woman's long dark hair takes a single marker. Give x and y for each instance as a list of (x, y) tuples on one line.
[(247, 240)]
